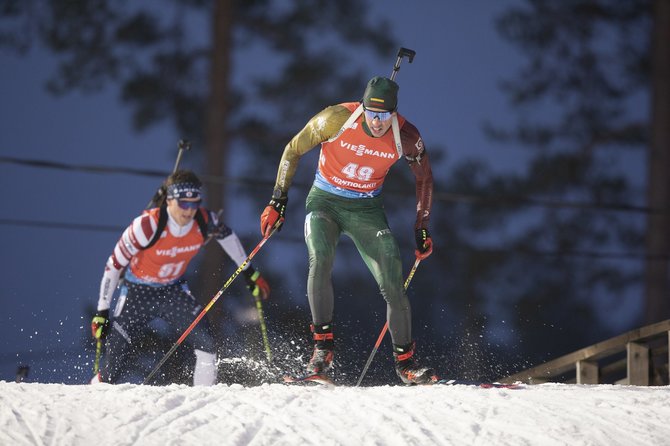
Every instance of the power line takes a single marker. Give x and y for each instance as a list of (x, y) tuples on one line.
[(488, 250), (44, 164), (438, 196), (61, 225), (82, 168), (443, 196), (530, 201)]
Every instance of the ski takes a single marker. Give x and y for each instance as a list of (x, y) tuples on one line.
[(309, 379), (483, 385), (326, 381)]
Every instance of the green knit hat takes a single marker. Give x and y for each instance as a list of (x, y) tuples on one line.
[(381, 93)]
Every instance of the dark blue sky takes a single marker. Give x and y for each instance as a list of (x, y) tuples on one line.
[(51, 274)]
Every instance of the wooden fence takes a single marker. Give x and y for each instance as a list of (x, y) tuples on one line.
[(638, 357)]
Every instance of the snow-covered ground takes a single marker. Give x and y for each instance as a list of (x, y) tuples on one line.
[(277, 414)]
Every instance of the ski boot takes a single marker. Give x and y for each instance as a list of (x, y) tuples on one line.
[(322, 357), (407, 368)]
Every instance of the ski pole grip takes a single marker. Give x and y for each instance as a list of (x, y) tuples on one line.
[(184, 144), (402, 52), (406, 52)]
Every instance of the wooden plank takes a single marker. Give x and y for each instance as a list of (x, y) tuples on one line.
[(638, 364), (614, 367), (566, 363), (587, 372)]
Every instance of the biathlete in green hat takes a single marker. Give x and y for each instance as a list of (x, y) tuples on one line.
[(360, 141)]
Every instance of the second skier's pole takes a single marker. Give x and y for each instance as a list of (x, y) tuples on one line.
[(264, 329), (386, 326), (98, 354)]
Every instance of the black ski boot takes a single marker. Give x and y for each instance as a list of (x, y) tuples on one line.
[(407, 368), (322, 358)]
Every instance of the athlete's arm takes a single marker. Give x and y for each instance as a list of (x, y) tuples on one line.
[(320, 128), (419, 162), (134, 238), (227, 239), (231, 244)]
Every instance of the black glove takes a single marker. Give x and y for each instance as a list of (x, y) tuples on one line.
[(273, 215), (100, 324), (424, 244), (216, 228), (256, 283)]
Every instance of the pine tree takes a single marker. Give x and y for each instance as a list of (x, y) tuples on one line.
[(582, 99)]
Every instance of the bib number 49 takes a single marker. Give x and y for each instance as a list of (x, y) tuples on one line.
[(355, 172)]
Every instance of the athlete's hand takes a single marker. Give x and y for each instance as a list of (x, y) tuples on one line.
[(424, 243), (216, 228), (256, 283), (100, 324), (273, 215)]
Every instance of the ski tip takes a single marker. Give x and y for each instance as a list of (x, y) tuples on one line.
[(308, 379), (481, 384)]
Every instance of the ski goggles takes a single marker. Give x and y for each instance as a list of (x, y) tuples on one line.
[(187, 205), (382, 116)]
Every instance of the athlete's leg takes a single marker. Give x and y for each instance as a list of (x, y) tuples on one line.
[(368, 228), (321, 237), (381, 254), (322, 233), (205, 370), (382, 257), (180, 310), (131, 315)]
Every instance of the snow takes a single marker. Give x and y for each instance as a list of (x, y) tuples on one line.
[(277, 414)]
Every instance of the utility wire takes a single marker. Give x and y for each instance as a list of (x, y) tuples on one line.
[(529, 201), (438, 196), (489, 250), (91, 169), (61, 225), (447, 197)]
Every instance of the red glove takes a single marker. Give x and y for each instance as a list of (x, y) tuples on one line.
[(424, 244), (273, 215), (256, 283)]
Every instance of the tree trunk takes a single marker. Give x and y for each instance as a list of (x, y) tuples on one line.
[(216, 147), (658, 224)]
